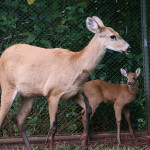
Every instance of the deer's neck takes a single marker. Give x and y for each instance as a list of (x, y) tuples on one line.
[(133, 90), (92, 54)]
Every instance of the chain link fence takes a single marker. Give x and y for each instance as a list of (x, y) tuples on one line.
[(55, 23)]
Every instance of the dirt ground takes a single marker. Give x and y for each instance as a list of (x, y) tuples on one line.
[(139, 141)]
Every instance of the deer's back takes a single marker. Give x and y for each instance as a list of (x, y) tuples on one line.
[(40, 71)]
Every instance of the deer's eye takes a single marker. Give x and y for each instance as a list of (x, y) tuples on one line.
[(133, 78), (113, 37)]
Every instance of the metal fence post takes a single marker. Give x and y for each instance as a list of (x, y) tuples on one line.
[(145, 60)]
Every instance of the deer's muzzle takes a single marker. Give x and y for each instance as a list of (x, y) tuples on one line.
[(129, 49)]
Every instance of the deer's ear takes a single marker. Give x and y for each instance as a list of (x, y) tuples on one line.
[(91, 25), (123, 72), (138, 71), (99, 21)]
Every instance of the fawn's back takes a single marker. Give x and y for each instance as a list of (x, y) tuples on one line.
[(109, 92)]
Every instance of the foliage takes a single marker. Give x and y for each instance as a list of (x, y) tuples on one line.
[(55, 23), (30, 2)]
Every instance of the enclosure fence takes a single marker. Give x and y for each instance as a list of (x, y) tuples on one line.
[(55, 23)]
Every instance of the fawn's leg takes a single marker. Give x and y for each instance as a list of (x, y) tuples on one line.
[(118, 110), (127, 116)]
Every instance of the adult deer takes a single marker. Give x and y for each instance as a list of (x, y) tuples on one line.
[(54, 73), (121, 95)]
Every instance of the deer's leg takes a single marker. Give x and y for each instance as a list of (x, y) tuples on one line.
[(84, 138), (26, 105), (93, 102), (127, 116), (93, 108), (118, 110), (78, 99), (8, 95), (53, 106)]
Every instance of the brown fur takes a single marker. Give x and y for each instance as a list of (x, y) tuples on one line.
[(98, 91), (54, 73)]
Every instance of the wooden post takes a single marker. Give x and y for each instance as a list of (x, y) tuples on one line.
[(145, 60)]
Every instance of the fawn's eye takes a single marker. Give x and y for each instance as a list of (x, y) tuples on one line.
[(133, 78), (113, 37)]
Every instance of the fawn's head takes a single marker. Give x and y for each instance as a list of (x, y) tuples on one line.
[(111, 38), (132, 77)]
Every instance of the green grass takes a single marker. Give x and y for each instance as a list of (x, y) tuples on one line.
[(100, 147), (76, 147)]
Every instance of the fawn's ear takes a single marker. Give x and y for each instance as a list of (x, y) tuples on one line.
[(92, 25), (123, 72), (138, 71)]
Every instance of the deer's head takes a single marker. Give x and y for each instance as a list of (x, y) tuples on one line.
[(111, 38), (132, 77)]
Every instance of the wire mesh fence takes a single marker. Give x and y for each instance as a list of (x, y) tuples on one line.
[(62, 24)]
